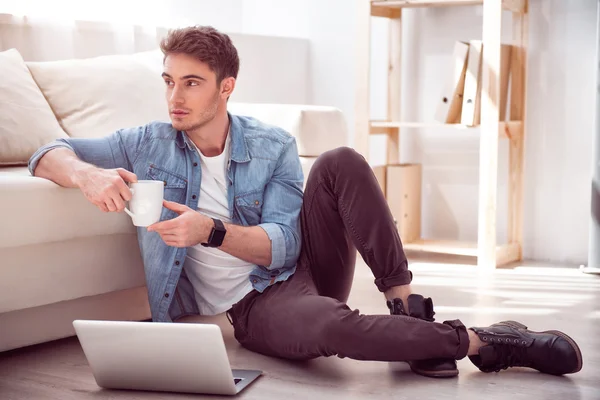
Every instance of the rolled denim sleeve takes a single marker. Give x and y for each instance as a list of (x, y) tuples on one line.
[(281, 208), (117, 150)]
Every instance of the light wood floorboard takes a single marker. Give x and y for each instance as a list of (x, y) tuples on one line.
[(543, 297)]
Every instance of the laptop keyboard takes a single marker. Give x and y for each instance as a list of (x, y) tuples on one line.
[(237, 380)]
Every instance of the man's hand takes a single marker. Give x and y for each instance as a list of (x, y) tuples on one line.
[(186, 230), (106, 188)]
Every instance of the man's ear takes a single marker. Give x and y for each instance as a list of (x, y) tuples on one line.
[(227, 86)]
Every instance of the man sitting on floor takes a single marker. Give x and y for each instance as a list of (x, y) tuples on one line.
[(284, 267)]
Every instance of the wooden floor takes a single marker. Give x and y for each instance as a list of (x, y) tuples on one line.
[(541, 297)]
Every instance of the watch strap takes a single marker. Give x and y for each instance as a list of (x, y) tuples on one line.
[(217, 234)]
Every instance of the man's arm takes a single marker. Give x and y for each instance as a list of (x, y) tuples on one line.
[(274, 243), (248, 243), (110, 152), (282, 202), (98, 166), (62, 166)]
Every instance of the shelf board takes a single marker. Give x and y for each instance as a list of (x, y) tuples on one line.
[(399, 124), (509, 129), (504, 253), (424, 3), (443, 246), (378, 5)]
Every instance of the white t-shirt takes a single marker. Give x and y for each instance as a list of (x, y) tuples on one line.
[(219, 279)]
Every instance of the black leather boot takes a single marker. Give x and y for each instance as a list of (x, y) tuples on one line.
[(422, 308), (510, 344)]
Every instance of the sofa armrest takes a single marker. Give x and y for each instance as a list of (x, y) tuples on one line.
[(35, 210), (317, 129)]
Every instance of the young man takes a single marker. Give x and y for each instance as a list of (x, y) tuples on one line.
[(238, 235)]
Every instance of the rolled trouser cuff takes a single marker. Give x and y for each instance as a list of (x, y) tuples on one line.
[(403, 278), (463, 338)]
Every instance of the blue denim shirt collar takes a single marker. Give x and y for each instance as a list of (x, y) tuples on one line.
[(239, 149)]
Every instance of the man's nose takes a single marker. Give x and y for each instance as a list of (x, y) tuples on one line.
[(176, 96)]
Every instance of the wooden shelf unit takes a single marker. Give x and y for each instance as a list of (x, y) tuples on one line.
[(489, 254), (506, 129)]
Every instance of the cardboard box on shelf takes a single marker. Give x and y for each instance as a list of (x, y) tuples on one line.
[(380, 174), (403, 193)]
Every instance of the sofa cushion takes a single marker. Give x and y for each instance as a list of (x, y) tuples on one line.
[(94, 97), (307, 163), (107, 93), (26, 119), (35, 210), (317, 129)]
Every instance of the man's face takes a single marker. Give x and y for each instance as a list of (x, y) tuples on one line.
[(192, 93)]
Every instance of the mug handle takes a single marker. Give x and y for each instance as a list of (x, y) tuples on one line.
[(132, 215)]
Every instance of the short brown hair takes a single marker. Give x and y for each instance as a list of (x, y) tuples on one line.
[(206, 44)]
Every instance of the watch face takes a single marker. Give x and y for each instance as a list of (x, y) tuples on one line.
[(218, 237)]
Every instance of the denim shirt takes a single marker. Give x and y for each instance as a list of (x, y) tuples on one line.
[(265, 189)]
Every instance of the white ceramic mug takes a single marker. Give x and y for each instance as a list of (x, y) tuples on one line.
[(146, 203)]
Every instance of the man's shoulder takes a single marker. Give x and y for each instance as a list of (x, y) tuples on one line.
[(254, 128), (160, 130), (152, 130)]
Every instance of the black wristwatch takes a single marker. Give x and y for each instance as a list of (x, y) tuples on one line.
[(215, 239)]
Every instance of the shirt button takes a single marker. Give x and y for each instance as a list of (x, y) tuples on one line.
[(176, 262), (254, 281), (167, 295), (195, 164), (194, 197)]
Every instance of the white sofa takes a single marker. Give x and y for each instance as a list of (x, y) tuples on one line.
[(60, 257)]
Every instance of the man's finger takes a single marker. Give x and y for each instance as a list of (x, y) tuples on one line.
[(173, 206), (119, 203), (163, 226), (110, 204), (124, 191), (126, 175)]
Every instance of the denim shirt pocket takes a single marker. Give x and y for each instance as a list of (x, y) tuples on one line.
[(175, 187), (249, 207)]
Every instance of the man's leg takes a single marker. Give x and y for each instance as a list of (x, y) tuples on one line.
[(291, 320), (306, 316), (345, 210)]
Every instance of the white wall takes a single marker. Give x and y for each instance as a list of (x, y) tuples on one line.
[(329, 26), (560, 107), (276, 17), (272, 69), (560, 110), (222, 14)]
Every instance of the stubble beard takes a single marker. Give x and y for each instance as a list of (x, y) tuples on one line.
[(204, 118)]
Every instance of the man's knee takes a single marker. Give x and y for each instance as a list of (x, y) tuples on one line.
[(342, 155), (341, 159)]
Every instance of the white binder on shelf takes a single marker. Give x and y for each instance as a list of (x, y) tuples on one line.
[(450, 102), (471, 98), (471, 108)]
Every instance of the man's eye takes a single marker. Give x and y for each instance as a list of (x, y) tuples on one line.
[(192, 83), (168, 83)]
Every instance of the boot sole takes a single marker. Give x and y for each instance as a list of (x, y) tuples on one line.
[(435, 374), (518, 325)]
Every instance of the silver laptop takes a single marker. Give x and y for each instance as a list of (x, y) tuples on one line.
[(155, 356)]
